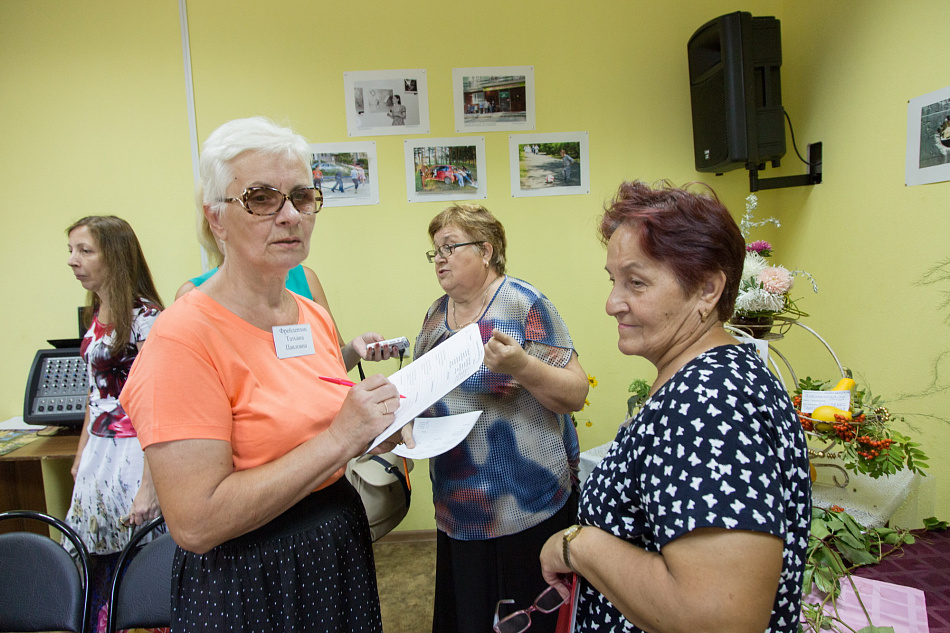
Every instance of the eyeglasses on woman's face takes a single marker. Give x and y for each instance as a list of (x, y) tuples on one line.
[(269, 201), (520, 621), (446, 250)]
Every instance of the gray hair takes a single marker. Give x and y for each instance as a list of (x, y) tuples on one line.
[(230, 140)]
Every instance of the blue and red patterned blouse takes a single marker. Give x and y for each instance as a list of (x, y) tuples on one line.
[(516, 467)]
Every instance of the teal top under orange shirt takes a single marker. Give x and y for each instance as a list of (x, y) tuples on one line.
[(296, 280)]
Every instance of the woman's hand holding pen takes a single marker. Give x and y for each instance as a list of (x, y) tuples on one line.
[(369, 408)]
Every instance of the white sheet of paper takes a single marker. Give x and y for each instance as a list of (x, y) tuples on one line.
[(438, 372), (811, 400), (761, 346), (17, 424), (434, 436)]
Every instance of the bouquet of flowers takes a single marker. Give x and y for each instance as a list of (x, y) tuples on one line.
[(764, 289)]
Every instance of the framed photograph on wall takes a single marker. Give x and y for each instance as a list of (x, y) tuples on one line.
[(445, 169), (928, 138), (494, 99), (346, 173), (386, 102), (549, 164)]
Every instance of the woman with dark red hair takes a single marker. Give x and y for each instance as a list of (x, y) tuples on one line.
[(698, 517)]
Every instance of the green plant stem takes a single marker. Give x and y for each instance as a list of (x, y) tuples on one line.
[(834, 618), (860, 601)]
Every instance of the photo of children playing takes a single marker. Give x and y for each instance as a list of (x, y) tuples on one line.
[(441, 169), (544, 165)]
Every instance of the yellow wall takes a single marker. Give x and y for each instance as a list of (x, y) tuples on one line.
[(94, 122)]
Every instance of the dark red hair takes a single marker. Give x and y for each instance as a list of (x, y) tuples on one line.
[(691, 233)]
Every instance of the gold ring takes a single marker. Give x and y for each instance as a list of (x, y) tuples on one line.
[(386, 404)]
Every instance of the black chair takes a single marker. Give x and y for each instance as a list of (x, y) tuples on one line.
[(41, 587), (141, 591)]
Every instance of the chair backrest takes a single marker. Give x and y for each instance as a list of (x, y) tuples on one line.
[(141, 590), (41, 587)]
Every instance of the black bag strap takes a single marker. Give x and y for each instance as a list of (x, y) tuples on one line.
[(393, 470)]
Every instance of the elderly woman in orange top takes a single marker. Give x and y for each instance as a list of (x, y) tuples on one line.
[(247, 446)]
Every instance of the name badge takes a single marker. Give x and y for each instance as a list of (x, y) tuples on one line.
[(291, 341)]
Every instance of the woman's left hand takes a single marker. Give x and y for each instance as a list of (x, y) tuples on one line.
[(362, 347), (553, 568), (402, 436), (144, 505), (503, 354)]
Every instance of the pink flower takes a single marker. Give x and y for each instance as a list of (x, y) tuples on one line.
[(776, 280), (761, 247)]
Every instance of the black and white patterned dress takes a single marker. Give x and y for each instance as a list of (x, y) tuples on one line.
[(719, 445)]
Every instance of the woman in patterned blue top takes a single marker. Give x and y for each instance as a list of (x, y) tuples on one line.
[(510, 483), (698, 517)]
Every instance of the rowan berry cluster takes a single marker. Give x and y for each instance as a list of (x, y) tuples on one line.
[(873, 447), (843, 430), (807, 422)]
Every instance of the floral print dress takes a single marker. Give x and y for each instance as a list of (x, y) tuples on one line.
[(110, 470)]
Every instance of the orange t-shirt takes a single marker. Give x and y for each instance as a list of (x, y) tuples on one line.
[(205, 373)]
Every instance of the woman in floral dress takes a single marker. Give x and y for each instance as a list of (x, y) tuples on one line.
[(113, 492)]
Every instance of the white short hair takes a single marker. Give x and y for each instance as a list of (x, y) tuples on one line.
[(230, 140)]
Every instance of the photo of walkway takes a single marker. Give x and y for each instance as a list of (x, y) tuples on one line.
[(543, 166)]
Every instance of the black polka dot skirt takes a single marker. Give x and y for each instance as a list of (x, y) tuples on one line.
[(310, 569)]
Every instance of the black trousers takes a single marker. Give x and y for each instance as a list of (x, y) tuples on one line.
[(472, 576)]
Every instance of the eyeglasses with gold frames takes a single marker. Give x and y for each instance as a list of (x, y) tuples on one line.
[(266, 201)]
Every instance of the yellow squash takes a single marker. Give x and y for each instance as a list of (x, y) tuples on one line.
[(845, 384), (825, 417)]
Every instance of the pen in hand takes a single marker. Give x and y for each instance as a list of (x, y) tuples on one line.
[(345, 383)]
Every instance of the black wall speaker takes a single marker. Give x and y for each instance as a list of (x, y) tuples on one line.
[(736, 93)]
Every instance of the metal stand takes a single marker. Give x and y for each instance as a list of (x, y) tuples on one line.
[(827, 451), (813, 177)]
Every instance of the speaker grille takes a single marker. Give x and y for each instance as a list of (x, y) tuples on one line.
[(710, 140)]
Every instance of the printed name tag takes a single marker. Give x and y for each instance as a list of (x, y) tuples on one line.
[(293, 340)]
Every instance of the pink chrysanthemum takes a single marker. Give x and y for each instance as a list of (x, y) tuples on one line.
[(761, 247), (776, 280)]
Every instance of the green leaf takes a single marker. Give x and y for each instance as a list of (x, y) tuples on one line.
[(807, 579), (826, 583), (933, 523), (857, 556), (828, 559), (855, 528), (819, 530), (877, 629), (849, 540), (834, 522)]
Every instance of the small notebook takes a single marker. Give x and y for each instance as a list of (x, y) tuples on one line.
[(567, 614)]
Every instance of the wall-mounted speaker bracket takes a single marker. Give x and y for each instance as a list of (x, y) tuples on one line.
[(813, 177)]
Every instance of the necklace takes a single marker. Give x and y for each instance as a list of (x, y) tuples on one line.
[(459, 326)]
